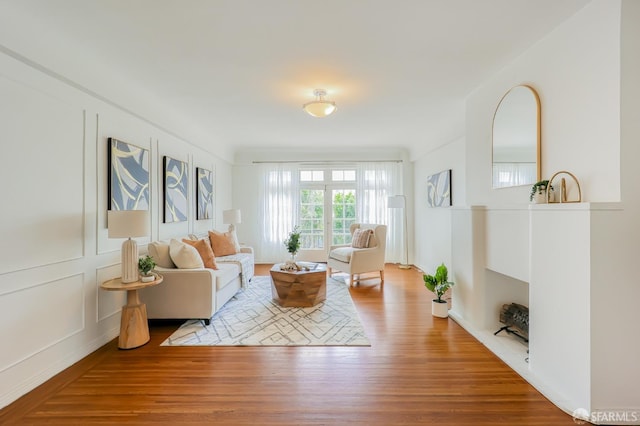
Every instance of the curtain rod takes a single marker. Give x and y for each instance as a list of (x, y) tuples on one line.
[(326, 162)]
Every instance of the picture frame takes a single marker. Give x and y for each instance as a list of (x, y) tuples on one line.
[(175, 180), (128, 176), (204, 194), (439, 189)]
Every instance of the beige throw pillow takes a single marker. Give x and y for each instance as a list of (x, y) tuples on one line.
[(234, 237), (361, 238), (222, 243), (184, 255), (205, 252), (159, 251)]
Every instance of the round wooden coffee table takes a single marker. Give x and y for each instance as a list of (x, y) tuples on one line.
[(299, 289), (134, 329)]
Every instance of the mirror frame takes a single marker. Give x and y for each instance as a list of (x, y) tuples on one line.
[(538, 135)]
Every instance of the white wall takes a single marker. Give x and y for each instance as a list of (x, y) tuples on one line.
[(433, 225), (587, 73), (55, 250), (615, 291), (576, 72)]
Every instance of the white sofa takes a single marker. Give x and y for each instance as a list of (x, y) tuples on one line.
[(198, 293)]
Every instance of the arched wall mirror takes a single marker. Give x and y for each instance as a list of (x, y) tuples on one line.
[(516, 138)]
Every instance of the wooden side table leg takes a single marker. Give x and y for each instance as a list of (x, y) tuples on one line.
[(134, 330)]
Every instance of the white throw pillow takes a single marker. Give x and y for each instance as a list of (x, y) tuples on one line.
[(159, 250), (184, 255)]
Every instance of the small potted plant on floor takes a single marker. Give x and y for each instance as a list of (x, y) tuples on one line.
[(539, 192), (438, 283), (145, 265)]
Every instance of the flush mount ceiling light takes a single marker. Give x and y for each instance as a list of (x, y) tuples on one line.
[(320, 107)]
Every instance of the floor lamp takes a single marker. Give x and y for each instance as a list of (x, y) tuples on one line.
[(399, 202)]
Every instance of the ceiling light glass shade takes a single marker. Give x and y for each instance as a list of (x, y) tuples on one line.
[(320, 107)]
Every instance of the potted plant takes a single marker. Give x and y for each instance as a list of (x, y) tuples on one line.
[(438, 283), (292, 243), (145, 265), (539, 192)]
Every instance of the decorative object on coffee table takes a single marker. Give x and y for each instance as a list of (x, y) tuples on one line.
[(292, 243), (134, 329), (299, 288), (438, 283)]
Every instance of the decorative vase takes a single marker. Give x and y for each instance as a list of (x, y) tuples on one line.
[(147, 278), (540, 197), (439, 309)]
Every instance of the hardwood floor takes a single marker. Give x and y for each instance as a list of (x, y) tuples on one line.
[(418, 370)]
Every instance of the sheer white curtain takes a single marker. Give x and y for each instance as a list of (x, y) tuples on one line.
[(375, 183), (279, 193)]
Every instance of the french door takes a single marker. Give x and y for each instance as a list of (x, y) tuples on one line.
[(326, 213)]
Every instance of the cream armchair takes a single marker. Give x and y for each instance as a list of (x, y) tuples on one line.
[(356, 261)]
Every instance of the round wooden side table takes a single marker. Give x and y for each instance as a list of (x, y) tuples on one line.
[(134, 329)]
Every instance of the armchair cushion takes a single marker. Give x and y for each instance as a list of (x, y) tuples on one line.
[(343, 254)]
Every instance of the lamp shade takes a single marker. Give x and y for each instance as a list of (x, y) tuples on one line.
[(128, 223), (232, 216), (395, 202), (320, 107)]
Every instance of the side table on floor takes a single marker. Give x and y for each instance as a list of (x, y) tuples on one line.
[(134, 329)]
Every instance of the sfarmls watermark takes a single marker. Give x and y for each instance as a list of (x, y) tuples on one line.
[(582, 416)]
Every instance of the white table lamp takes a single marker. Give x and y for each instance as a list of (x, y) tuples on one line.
[(128, 224), (399, 202), (231, 217)]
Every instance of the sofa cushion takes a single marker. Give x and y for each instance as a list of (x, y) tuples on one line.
[(184, 255), (361, 238), (205, 252), (159, 251), (225, 274), (343, 254), (222, 243)]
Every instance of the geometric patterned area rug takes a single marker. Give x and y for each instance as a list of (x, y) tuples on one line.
[(252, 318)]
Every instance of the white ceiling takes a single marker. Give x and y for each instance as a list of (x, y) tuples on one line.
[(240, 70)]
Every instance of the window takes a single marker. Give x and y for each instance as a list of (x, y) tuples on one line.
[(312, 218), (311, 175), (324, 201)]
